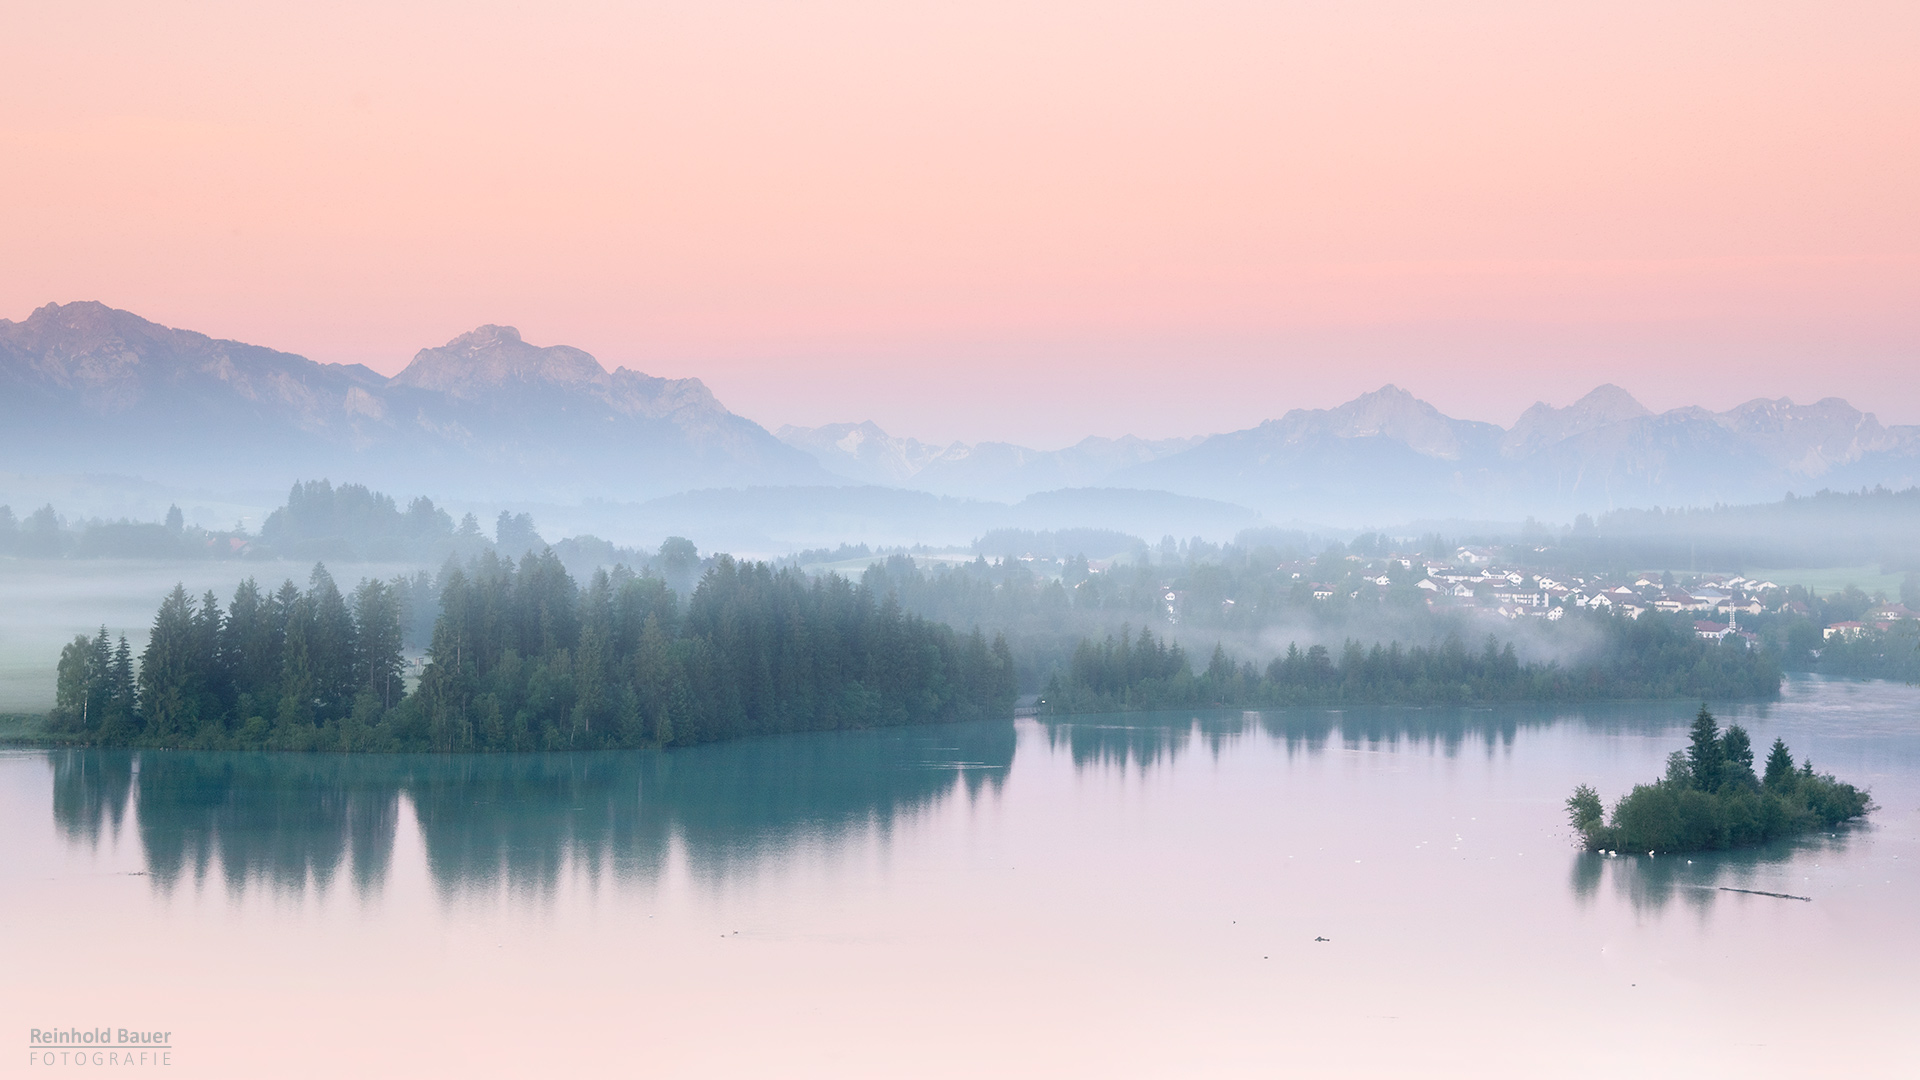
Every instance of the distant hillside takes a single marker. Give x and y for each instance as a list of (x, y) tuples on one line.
[(1376, 458), (1388, 457), (1829, 528), (88, 388), (990, 470)]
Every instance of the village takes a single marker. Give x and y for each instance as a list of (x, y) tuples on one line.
[(1478, 579)]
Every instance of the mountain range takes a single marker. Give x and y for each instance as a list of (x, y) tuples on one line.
[(85, 388), (1388, 457), (89, 389)]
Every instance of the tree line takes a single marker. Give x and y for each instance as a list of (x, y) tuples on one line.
[(281, 668), (1652, 657), (523, 657)]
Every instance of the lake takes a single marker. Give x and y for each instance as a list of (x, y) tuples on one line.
[(1135, 895)]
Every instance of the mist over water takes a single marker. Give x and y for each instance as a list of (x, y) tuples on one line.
[(1533, 641), (1120, 895)]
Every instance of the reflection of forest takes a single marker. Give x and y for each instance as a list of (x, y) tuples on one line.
[(297, 820), (1700, 879), (1146, 739)]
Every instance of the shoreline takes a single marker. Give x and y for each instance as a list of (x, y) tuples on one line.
[(23, 731)]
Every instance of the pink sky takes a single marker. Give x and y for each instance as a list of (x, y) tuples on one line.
[(985, 220)]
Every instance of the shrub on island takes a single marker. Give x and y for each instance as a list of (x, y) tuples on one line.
[(1710, 799)]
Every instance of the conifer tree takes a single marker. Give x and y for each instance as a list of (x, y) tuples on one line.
[(121, 701), (294, 714), (1736, 756), (1779, 775), (249, 650), (330, 647), (167, 668), (1704, 752), (379, 663), (211, 681), (72, 684), (99, 678), (593, 698)]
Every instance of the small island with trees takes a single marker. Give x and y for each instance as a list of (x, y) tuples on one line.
[(1710, 799)]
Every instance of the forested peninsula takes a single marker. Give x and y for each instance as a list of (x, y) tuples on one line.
[(1711, 799), (525, 658)]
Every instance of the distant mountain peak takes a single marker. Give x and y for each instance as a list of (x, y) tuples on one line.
[(75, 314), (1542, 425), (1610, 399), (859, 433), (104, 361), (861, 451), (1389, 412), (485, 337), (1809, 440), (1385, 406), (86, 324), (490, 358)]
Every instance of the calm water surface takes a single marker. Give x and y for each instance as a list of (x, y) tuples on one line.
[(1110, 896)]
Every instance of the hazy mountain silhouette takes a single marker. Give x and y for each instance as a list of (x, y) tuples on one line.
[(1611, 452), (1542, 425), (988, 470), (1388, 456), (88, 388)]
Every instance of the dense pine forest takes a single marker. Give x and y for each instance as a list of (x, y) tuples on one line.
[(525, 658), (1653, 657)]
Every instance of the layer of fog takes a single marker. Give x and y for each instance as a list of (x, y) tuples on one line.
[(46, 603)]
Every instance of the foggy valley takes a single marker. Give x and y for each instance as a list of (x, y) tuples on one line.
[(1252, 541)]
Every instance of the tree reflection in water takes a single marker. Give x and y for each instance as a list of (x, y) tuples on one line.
[(1698, 880), (294, 822), (297, 822), (1144, 740)]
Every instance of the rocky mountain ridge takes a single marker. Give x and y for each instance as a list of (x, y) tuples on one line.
[(1388, 456), (89, 388)]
